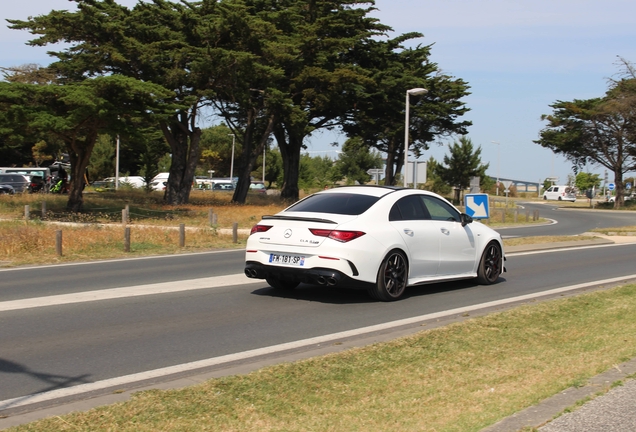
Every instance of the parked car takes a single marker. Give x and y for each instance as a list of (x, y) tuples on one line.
[(223, 186), (378, 238), (625, 198), (560, 193), (6, 189), (132, 181), (258, 187), (19, 182), (159, 185), (42, 184)]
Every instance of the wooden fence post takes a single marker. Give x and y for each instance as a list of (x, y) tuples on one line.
[(58, 242), (235, 232), (127, 239), (181, 235), (27, 212), (43, 209)]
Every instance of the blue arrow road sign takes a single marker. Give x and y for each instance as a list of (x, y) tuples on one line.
[(477, 206)]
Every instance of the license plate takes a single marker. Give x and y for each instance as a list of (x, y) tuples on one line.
[(294, 260)]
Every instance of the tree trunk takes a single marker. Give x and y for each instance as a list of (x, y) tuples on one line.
[(248, 160), (618, 181), (392, 159), (80, 157), (290, 153), (184, 143)]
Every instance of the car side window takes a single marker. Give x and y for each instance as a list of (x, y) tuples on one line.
[(409, 208), (439, 210)]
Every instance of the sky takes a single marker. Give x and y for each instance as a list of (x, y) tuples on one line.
[(518, 57)]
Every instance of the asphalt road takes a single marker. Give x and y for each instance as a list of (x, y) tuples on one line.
[(67, 344), (569, 221)]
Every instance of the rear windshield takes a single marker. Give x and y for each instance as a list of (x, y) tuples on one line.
[(335, 203)]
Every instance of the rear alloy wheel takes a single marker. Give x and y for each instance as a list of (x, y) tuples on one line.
[(490, 264), (392, 278), (282, 284)]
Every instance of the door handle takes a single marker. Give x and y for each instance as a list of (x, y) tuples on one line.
[(408, 232), (445, 231)]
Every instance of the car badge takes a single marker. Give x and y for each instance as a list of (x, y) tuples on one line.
[(288, 233)]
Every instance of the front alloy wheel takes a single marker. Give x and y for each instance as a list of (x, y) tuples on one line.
[(392, 278), (490, 264)]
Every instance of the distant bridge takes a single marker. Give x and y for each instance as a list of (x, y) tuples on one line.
[(521, 185)]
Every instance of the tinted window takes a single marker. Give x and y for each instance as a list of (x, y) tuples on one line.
[(409, 208), (440, 210), (336, 203)]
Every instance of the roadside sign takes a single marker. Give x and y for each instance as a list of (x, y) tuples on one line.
[(477, 206), (628, 185), (611, 186)]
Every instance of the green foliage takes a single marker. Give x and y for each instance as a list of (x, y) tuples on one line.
[(434, 182), (462, 164), (265, 67), (102, 161), (599, 131), (585, 181), (355, 160), (316, 172), (273, 167), (379, 118), (216, 151)]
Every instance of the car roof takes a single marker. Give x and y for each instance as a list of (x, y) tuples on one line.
[(373, 190)]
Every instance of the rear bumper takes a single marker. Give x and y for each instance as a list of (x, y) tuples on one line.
[(313, 276)]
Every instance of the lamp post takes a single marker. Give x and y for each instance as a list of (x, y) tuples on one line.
[(117, 165), (498, 144), (232, 161), (413, 91)]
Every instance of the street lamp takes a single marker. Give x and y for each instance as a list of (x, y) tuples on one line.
[(264, 147), (414, 92), (232, 161), (498, 144)]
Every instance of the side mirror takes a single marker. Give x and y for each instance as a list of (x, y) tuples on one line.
[(465, 219)]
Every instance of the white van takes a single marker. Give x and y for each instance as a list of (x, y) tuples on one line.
[(560, 193), (133, 181), (160, 181)]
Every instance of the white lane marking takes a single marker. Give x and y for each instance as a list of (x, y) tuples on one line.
[(565, 249), (133, 291), (186, 367)]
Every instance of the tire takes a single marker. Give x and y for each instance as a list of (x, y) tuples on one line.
[(392, 278), (559, 198), (282, 284), (490, 264), (545, 198)]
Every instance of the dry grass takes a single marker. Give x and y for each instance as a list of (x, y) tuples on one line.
[(462, 377), (153, 225), (517, 241), (626, 230), (98, 232)]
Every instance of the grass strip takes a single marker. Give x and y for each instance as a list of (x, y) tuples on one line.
[(462, 377)]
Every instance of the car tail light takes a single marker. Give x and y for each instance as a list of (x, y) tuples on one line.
[(260, 228), (341, 236)]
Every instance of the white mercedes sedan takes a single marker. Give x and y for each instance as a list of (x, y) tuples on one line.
[(382, 239)]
